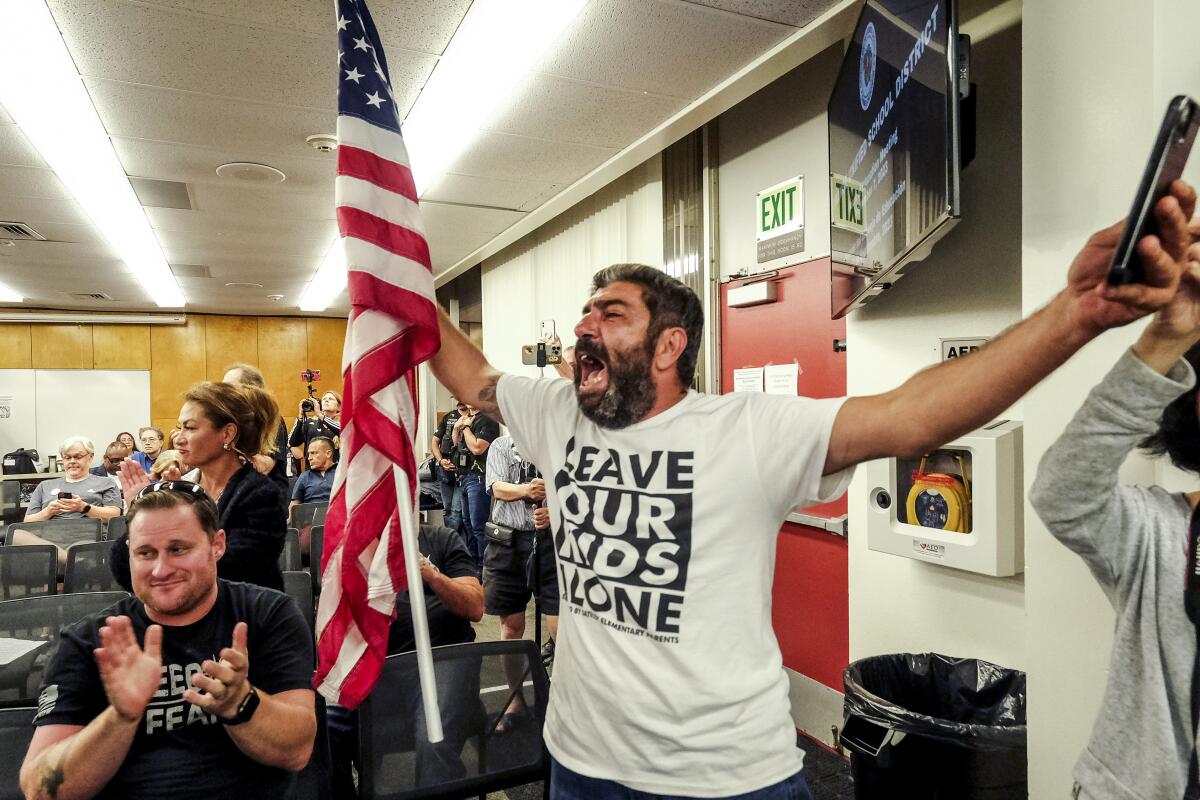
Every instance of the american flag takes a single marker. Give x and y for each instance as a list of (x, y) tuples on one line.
[(392, 327)]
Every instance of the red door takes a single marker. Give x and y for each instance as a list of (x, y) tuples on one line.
[(811, 608)]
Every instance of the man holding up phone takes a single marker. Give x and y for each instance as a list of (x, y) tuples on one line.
[(666, 504)]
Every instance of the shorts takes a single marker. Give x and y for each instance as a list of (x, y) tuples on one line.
[(508, 578)]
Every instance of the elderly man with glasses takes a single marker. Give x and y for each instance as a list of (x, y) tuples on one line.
[(78, 493), (193, 687)]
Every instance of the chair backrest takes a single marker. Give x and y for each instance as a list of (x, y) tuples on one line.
[(306, 515), (316, 546), (397, 762), (115, 528), (10, 502), (42, 619), (298, 586), (30, 570), (61, 532), (289, 558), (87, 568), (16, 731)]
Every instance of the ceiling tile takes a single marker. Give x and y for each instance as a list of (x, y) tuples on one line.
[(231, 198), (580, 112), (454, 231), (39, 209), (206, 120), (193, 164), (498, 155), (31, 182), (661, 47), (424, 26), (796, 13), (15, 149), (470, 189)]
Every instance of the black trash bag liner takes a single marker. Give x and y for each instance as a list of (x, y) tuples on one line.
[(962, 701)]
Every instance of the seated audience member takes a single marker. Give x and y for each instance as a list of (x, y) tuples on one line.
[(152, 445), (223, 427), (453, 600), (168, 466), (275, 464), (114, 454), (315, 483), (78, 493), (195, 687), (514, 571), (1136, 541), (126, 438)]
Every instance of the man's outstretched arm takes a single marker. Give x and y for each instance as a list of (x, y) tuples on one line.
[(461, 368), (945, 401)]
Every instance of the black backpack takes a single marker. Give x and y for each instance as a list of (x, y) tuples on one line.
[(20, 462)]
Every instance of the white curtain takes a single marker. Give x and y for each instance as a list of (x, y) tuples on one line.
[(547, 274)]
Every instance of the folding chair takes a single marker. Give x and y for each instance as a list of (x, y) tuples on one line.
[(298, 586), (16, 731), (41, 619), (87, 568), (290, 558), (115, 529), (398, 763), (60, 532), (28, 571), (10, 502), (316, 547)]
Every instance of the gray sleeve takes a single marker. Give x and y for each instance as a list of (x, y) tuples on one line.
[(37, 498), (112, 494), (1076, 492)]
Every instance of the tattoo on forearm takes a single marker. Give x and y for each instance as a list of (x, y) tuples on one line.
[(487, 399), (53, 775)]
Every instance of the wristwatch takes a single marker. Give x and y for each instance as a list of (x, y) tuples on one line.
[(86, 509), (245, 709)]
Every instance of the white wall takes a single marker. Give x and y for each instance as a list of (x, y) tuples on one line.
[(774, 135), (1101, 75), (969, 286), (547, 274)]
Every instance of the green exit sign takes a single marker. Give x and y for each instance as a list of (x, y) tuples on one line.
[(779, 214)]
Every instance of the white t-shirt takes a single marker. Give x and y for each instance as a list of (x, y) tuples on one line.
[(667, 675)]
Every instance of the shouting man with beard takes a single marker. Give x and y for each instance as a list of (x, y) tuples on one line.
[(666, 503)]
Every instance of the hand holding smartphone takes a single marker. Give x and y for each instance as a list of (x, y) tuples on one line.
[(1165, 165)]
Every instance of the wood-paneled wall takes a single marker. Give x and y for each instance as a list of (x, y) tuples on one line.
[(181, 355)]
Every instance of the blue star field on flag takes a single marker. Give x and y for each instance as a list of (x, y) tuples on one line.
[(364, 88)]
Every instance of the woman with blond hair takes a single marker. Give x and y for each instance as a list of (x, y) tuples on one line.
[(222, 427)]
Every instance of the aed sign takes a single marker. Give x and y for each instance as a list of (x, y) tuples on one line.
[(846, 203), (957, 348), (779, 219)]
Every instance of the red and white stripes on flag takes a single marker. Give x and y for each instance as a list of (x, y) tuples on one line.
[(393, 326)]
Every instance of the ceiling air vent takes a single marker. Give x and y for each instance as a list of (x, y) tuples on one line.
[(92, 296), (19, 230)]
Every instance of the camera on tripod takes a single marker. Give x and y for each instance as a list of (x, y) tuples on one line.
[(309, 404)]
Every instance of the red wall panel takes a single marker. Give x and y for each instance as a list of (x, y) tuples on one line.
[(810, 596)]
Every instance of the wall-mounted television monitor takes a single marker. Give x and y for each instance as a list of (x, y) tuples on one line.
[(894, 145)]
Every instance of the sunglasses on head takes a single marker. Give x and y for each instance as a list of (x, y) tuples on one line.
[(188, 488)]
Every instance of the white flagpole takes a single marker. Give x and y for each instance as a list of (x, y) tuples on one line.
[(416, 601)]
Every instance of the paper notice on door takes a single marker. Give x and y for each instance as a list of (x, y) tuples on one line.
[(749, 379), (6, 404), (781, 378)]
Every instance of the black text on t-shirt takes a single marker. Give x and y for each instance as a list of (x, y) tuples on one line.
[(626, 537)]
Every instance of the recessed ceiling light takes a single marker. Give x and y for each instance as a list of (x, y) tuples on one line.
[(243, 285), (250, 172)]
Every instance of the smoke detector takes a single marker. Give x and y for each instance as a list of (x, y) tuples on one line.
[(251, 173), (322, 142), (275, 297)]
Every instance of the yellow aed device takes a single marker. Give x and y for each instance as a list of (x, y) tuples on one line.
[(940, 500)]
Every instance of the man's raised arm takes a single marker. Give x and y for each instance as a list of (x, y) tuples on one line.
[(461, 368), (952, 398)]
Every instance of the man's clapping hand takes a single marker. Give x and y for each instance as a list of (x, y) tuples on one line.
[(224, 683), (131, 674)]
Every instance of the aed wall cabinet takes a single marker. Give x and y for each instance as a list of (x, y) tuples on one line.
[(961, 506)]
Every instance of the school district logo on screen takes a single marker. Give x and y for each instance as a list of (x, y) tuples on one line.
[(866, 67)]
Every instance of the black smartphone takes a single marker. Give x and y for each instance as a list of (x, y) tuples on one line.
[(1166, 163), (65, 496)]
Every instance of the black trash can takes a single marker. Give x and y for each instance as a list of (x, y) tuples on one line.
[(923, 726)]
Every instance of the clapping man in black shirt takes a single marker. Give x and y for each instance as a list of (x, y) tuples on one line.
[(194, 688)]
